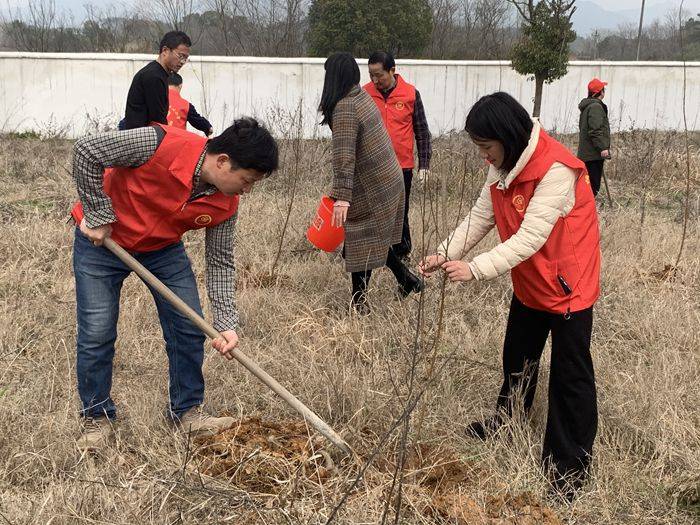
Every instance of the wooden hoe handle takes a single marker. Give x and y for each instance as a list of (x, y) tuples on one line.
[(210, 331)]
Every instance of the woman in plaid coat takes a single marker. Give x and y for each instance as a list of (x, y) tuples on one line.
[(367, 180)]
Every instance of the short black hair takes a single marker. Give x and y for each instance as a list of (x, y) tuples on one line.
[(174, 80), (249, 146), (384, 58), (594, 94), (342, 74), (172, 39), (500, 117)]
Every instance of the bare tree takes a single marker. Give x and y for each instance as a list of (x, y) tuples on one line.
[(277, 26), (177, 15), (251, 27), (444, 28), (32, 28), (174, 12), (223, 30), (493, 40), (106, 30), (470, 29)]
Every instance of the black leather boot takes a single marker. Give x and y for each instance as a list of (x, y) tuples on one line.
[(483, 430), (410, 284)]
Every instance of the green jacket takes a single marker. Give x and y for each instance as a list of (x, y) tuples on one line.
[(594, 129)]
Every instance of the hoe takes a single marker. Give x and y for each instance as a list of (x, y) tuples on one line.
[(243, 359)]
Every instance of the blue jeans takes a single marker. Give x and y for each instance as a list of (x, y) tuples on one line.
[(99, 275)]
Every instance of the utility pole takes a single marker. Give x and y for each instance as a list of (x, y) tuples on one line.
[(595, 45), (639, 33)]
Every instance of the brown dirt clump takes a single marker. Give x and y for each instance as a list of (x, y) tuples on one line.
[(439, 467), (520, 509), (265, 456), (459, 508), (451, 480)]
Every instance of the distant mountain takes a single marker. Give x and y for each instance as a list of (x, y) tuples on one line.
[(590, 16)]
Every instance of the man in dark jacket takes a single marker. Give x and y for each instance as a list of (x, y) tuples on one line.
[(594, 132), (147, 100)]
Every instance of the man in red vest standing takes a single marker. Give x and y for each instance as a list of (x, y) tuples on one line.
[(404, 117), (182, 111), (160, 183)]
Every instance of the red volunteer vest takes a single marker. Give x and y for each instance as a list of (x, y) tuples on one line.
[(397, 114), (178, 108), (151, 201), (572, 251)]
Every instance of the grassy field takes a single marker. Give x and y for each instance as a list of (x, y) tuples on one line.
[(438, 355)]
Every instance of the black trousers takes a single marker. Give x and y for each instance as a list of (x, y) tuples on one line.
[(360, 280), (572, 418), (403, 248), (595, 172)]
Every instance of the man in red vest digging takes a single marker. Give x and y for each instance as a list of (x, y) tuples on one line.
[(404, 117), (181, 111), (145, 188)]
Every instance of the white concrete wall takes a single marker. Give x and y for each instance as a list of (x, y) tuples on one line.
[(74, 93)]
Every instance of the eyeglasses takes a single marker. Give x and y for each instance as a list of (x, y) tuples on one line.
[(181, 56)]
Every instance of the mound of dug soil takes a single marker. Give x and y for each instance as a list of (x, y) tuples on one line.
[(264, 456), (520, 509), (272, 458), (450, 481)]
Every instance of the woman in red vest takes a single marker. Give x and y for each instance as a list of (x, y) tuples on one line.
[(538, 195), (144, 188)]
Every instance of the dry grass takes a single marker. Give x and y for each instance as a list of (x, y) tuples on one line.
[(358, 374)]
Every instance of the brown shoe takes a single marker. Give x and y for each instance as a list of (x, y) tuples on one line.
[(97, 431), (196, 421)]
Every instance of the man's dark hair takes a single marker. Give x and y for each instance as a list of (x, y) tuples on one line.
[(249, 146), (342, 74), (595, 94), (174, 80), (172, 39), (500, 117), (382, 57)]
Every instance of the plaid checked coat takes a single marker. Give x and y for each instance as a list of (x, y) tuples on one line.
[(368, 176)]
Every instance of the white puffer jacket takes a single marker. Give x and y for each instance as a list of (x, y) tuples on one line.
[(554, 197)]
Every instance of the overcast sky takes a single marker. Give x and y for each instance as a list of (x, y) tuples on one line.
[(76, 6), (616, 5), (632, 4)]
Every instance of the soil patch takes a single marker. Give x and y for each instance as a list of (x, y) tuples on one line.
[(450, 482), (264, 456)]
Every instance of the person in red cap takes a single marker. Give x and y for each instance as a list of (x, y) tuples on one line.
[(594, 132)]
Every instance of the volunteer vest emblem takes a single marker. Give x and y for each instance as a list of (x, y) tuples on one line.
[(588, 179), (519, 203), (400, 105), (202, 220)]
